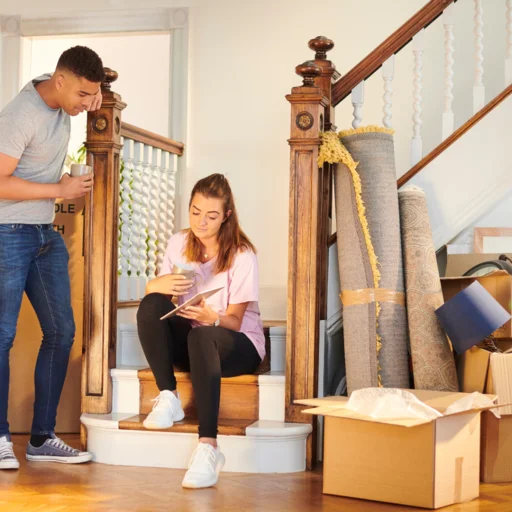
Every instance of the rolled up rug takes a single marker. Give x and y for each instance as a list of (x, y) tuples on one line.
[(355, 254), (373, 149), (432, 358), (370, 257)]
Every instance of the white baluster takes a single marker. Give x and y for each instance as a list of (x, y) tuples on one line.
[(162, 208), (357, 102), (449, 49), (138, 236), (153, 213), (143, 234), (417, 142), (125, 221), (388, 73), (478, 87), (171, 194), (508, 61)]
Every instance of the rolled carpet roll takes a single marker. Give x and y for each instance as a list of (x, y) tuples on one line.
[(373, 150), (356, 273), (432, 358)]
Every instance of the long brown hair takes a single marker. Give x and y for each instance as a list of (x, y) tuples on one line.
[(230, 237)]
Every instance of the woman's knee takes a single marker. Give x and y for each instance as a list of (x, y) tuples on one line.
[(199, 336), (153, 306)]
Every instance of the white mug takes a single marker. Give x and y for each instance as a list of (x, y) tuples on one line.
[(187, 271), (80, 169)]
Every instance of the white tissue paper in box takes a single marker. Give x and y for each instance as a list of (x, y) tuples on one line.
[(389, 403), (473, 401)]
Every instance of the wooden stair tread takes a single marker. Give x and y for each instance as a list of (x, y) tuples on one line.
[(239, 398), (147, 375), (227, 427)]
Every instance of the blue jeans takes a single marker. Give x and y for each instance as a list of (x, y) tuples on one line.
[(34, 259)]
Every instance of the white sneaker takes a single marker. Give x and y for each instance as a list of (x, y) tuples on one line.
[(204, 467), (166, 411), (7, 458)]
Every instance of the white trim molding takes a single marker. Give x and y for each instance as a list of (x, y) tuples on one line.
[(96, 22), (129, 350), (277, 336), (271, 396), (125, 390), (10, 58)]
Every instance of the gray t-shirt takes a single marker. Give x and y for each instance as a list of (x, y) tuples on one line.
[(39, 136)]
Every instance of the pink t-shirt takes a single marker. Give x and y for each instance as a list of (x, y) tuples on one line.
[(240, 284)]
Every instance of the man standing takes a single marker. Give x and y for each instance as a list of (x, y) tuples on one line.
[(34, 137)]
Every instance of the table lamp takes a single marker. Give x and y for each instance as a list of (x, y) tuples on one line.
[(471, 316)]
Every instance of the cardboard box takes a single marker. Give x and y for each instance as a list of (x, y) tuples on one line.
[(475, 374), (498, 284), (415, 462), (458, 264)]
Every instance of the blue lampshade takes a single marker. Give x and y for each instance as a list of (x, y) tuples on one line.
[(470, 316)]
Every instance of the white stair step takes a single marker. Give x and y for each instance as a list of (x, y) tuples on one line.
[(267, 447), (129, 351)]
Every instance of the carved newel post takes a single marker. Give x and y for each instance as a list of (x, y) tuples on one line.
[(100, 251), (309, 224)]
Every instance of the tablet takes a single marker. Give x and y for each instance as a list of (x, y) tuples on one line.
[(196, 299)]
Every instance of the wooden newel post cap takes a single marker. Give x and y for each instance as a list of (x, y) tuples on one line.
[(308, 71), (110, 76), (321, 45)]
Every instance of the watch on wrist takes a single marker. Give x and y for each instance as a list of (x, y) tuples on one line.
[(217, 322)]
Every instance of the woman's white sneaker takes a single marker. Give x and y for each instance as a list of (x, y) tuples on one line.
[(7, 458), (166, 411), (204, 467)]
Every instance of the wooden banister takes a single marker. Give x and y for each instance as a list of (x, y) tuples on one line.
[(152, 139), (393, 44), (457, 134)]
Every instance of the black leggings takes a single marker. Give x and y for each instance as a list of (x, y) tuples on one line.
[(207, 352)]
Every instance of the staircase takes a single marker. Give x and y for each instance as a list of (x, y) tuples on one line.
[(252, 431)]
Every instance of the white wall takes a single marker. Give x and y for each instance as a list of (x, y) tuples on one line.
[(242, 61), (499, 216), (242, 64)]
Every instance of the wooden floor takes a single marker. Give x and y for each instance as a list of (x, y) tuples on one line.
[(96, 487)]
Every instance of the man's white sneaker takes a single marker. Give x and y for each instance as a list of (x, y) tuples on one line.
[(166, 411), (204, 467), (7, 458)]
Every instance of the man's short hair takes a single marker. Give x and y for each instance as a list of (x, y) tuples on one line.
[(83, 62)]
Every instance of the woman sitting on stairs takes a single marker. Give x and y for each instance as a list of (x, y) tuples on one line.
[(223, 336)]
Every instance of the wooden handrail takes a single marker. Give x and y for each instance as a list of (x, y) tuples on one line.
[(393, 44), (457, 134), (157, 141)]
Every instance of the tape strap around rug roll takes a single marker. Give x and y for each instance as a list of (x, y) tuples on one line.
[(369, 295)]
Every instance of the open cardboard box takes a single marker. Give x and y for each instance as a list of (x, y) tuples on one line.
[(474, 368), (497, 283), (416, 462), (458, 264)]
